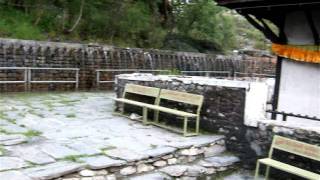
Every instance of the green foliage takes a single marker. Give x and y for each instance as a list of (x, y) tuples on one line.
[(32, 133), (16, 24), (201, 26)]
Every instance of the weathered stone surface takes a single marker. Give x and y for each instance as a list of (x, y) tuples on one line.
[(159, 151), (101, 162), (10, 163), (128, 171), (83, 148), (53, 170), (126, 154), (31, 154), (58, 151), (214, 150), (219, 161), (13, 175), (175, 170), (13, 128), (8, 140), (152, 176)]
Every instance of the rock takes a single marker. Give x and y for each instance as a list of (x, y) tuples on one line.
[(191, 152), (53, 170), (101, 162), (210, 171), (111, 177), (102, 172), (128, 171), (159, 151), (9, 140), (160, 163), (152, 176), (169, 156), (220, 161), (13, 175), (11, 163), (214, 150), (175, 170), (87, 173), (172, 161), (195, 171), (144, 168), (58, 151), (126, 154)]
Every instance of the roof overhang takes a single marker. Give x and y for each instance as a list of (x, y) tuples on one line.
[(258, 4)]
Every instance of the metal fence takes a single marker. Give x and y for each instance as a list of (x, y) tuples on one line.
[(252, 75), (28, 81), (209, 73), (99, 71)]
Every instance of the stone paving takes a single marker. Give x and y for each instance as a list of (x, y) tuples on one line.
[(46, 136)]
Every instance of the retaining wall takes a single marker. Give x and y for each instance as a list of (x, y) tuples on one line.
[(89, 57)]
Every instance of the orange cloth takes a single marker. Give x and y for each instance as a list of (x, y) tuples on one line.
[(310, 54)]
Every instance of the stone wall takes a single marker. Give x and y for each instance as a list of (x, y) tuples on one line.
[(224, 112), (224, 108), (89, 57)]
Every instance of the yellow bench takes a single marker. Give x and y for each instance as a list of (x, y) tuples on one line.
[(291, 146), (164, 94)]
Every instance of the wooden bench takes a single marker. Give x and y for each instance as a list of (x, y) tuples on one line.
[(291, 146), (180, 97), (170, 95), (140, 90)]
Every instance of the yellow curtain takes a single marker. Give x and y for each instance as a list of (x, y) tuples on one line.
[(310, 54)]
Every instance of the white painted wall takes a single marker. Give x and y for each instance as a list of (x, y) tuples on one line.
[(300, 88), (256, 103)]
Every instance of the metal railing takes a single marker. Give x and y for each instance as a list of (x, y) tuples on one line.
[(240, 74), (208, 73), (28, 76), (285, 115), (99, 71)]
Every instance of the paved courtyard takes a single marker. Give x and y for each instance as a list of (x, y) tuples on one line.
[(43, 135)]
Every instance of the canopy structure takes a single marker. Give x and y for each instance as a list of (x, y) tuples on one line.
[(297, 21), (296, 41)]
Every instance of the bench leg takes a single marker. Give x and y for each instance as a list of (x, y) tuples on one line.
[(145, 116), (185, 126), (257, 171), (267, 173), (156, 116), (197, 125)]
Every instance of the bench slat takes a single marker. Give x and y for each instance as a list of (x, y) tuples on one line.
[(142, 90), (290, 169), (183, 97), (296, 147), (155, 107)]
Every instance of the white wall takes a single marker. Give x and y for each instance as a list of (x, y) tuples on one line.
[(256, 103), (300, 88)]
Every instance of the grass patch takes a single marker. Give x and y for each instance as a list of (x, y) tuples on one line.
[(108, 148), (32, 133), (74, 158), (71, 115), (2, 150)]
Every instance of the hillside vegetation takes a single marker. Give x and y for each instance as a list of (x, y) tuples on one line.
[(201, 26)]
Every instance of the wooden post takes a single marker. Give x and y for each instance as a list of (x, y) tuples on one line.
[(277, 88)]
